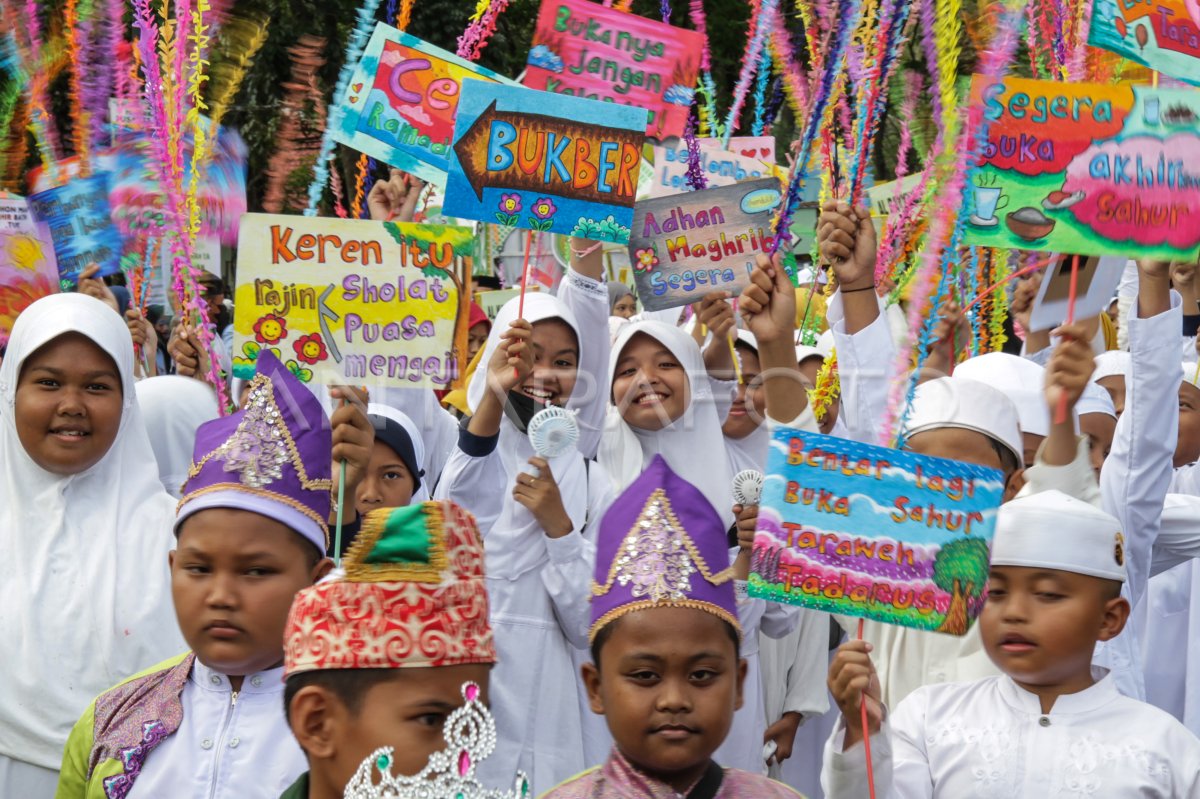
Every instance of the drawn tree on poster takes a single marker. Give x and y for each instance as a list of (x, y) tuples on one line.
[(958, 570)]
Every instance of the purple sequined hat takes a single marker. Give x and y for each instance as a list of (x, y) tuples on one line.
[(273, 457), (661, 544)]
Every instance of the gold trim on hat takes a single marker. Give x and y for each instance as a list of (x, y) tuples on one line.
[(258, 384), (369, 534), (660, 496), (261, 492), (648, 604)]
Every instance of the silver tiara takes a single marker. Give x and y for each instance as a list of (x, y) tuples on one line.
[(470, 734)]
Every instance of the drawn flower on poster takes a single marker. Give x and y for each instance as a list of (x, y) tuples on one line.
[(607, 229), (270, 329), (542, 56), (510, 206), (311, 348), (679, 95), (647, 259), (543, 214)]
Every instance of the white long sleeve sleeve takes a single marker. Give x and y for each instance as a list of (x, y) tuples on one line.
[(865, 362)]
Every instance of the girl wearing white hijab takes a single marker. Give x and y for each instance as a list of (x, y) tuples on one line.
[(173, 409), (85, 595), (537, 583)]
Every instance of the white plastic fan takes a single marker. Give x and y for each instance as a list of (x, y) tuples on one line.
[(552, 431), (747, 487)]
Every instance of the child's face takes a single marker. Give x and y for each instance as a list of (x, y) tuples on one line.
[(233, 576), (650, 386), (750, 405), (387, 483), (1040, 626), (1030, 443), (68, 404), (626, 307), (407, 713), (476, 338), (668, 684), (555, 363), (1115, 386), (1187, 447), (1099, 429)]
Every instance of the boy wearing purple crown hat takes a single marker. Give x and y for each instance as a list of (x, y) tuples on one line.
[(251, 531), (666, 671)]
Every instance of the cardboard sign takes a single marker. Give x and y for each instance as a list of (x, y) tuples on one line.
[(77, 214), (401, 102), (584, 49), (1164, 35), (27, 268), (721, 167), (492, 301), (1088, 169), (528, 159), (891, 197), (690, 244), (878, 533), (349, 301), (1096, 281)]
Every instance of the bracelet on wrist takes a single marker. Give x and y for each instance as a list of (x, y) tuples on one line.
[(864, 288), (588, 251)]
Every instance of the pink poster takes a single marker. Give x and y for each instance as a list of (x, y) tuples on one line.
[(586, 50)]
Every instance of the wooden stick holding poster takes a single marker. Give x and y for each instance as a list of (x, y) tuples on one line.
[(1163, 35), (584, 49), (687, 245), (350, 302), (528, 159), (1088, 169), (401, 102), (876, 533)]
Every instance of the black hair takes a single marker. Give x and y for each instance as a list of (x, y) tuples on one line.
[(350, 686), (605, 632), (1008, 461)]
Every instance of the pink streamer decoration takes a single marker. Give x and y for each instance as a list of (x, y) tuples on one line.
[(794, 76), (700, 21), (475, 37), (945, 226)]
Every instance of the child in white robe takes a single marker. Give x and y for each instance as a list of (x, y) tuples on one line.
[(537, 577), (1051, 724)]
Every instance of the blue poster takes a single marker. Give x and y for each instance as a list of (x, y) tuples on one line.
[(530, 159), (81, 229)]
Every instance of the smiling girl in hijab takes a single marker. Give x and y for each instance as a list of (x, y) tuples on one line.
[(536, 530), (84, 586)]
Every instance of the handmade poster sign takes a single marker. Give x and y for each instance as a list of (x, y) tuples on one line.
[(400, 103), (349, 301), (528, 159), (1087, 169), (584, 49), (1096, 281), (721, 167), (27, 268), (690, 244), (1164, 35), (860, 530), (77, 215), (891, 197)]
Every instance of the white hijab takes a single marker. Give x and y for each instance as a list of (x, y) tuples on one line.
[(749, 452), (516, 543), (173, 408), (85, 595), (418, 445), (692, 445)]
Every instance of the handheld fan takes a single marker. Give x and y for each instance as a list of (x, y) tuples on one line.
[(552, 431), (747, 487)]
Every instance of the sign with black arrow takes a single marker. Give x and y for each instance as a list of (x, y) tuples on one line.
[(529, 159)]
